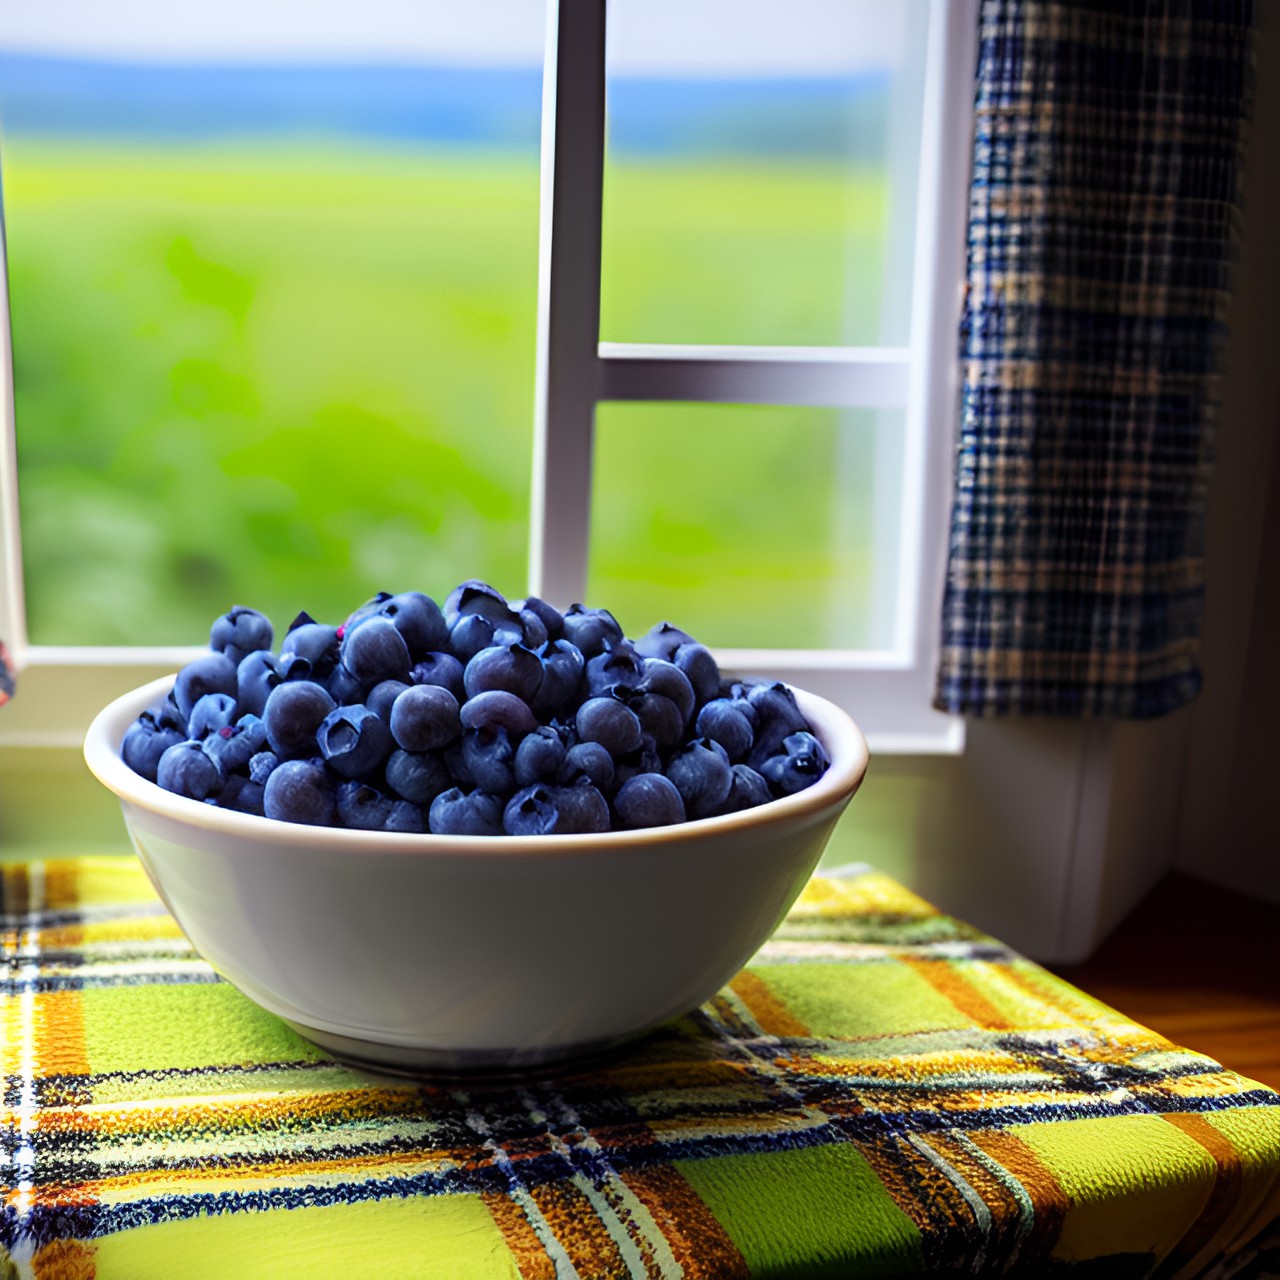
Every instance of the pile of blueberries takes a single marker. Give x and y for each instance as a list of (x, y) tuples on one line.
[(484, 717)]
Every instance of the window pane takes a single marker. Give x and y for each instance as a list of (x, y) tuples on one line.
[(273, 275), (748, 526), (760, 183)]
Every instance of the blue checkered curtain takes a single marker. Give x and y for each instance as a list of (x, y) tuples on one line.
[(1103, 229)]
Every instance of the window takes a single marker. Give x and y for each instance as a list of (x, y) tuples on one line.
[(870, 394)]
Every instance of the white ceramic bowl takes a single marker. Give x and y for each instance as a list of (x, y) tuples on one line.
[(432, 952)]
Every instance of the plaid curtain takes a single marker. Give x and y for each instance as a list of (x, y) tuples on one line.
[(1103, 228)]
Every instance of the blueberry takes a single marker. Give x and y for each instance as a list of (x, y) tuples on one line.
[(354, 741), (459, 772), (315, 644), (408, 818), (212, 712), (747, 790), (346, 688), (551, 618), (442, 669), (615, 665), (540, 756), (471, 633), (375, 650), (417, 776), (648, 800), (533, 631), (667, 679), (800, 764), (478, 599), (513, 668), (361, 807), (382, 696), (186, 770), (659, 717), (725, 721), (370, 609), (590, 629), (777, 716), (458, 813), (425, 717), (243, 795), (497, 709), (588, 762), (696, 662), (609, 722), (703, 776), (545, 810), (661, 641), (300, 791), (293, 713), (489, 758), (562, 669), (256, 676), (418, 619), (145, 741), (210, 673), (239, 633), (234, 745), (262, 765)]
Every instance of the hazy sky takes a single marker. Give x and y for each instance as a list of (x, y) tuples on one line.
[(695, 37)]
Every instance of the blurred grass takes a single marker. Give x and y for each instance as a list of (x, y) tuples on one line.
[(289, 377)]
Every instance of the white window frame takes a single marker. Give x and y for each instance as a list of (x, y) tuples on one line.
[(888, 690)]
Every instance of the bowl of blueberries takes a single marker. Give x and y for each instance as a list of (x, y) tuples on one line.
[(477, 834)]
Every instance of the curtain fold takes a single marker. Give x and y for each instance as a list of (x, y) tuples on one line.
[(1103, 231)]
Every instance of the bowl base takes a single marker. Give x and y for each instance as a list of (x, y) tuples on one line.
[(415, 1061)]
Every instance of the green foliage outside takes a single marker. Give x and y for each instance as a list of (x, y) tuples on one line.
[(291, 377)]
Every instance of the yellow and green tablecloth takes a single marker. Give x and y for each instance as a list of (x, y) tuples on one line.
[(884, 1091)]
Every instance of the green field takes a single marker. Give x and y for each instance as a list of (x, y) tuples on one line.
[(292, 377)]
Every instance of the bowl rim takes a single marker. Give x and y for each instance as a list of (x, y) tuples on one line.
[(834, 728)]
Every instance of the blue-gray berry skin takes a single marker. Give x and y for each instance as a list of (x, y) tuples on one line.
[(375, 651), (471, 633), (234, 745), (659, 717), (209, 673), (354, 741), (497, 709), (300, 791), (212, 712), (667, 679), (539, 756), (145, 741), (478, 598), (550, 810), (588, 762), (443, 669), (696, 662), (239, 632), (293, 713), (513, 668), (725, 721), (459, 813), (610, 723), (418, 776), (777, 717), (316, 645), (648, 800), (703, 775), (243, 795), (425, 717), (262, 765), (551, 618), (747, 790), (382, 696), (411, 819), (489, 758), (361, 807), (419, 620), (256, 676), (562, 673), (187, 770), (590, 629), (802, 761)]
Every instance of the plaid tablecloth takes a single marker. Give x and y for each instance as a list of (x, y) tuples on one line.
[(884, 1091)]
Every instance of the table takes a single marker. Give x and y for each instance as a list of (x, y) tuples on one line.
[(883, 1091)]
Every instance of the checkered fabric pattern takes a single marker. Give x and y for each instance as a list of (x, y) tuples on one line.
[(884, 1091), (1103, 228)]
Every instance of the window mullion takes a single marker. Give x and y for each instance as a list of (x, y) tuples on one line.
[(573, 102), (13, 622), (827, 377)]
